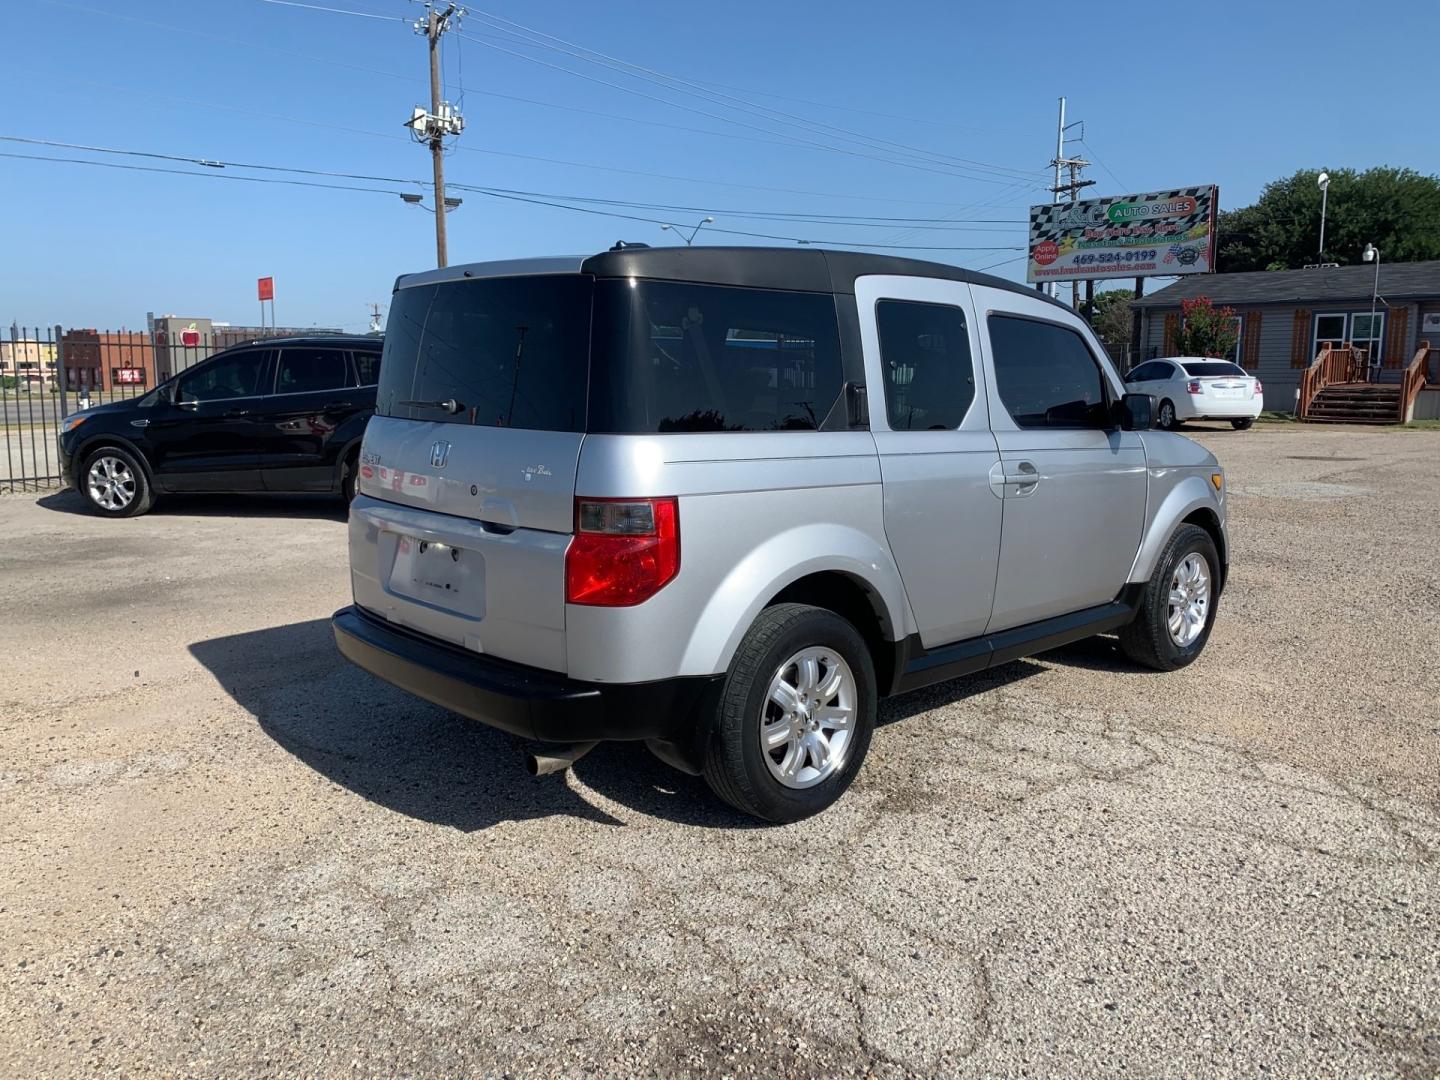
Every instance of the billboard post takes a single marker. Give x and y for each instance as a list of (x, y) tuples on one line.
[(1160, 233)]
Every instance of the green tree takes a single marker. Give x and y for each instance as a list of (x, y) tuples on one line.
[(1398, 210), (1205, 330), (1112, 321)]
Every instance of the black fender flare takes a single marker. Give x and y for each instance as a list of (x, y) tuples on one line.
[(109, 438)]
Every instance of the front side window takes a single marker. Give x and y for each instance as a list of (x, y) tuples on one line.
[(925, 356), (677, 357), (1145, 373), (226, 377), (1046, 375), (306, 371)]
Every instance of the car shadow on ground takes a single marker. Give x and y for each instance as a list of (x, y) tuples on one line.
[(429, 764), (422, 761), (311, 507)]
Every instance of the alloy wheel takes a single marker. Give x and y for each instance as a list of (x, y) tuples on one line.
[(111, 484), (1189, 599), (807, 722)]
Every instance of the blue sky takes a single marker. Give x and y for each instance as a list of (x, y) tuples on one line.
[(1234, 94)]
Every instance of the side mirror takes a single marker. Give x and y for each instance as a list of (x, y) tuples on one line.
[(1135, 412)]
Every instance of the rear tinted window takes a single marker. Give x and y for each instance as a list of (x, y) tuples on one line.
[(1216, 369), (304, 371), (925, 350), (507, 352), (672, 356), (367, 367)]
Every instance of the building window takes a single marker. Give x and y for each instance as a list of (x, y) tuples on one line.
[(1357, 328), (1233, 355)]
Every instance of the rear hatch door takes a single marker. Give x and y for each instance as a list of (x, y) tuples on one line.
[(468, 467)]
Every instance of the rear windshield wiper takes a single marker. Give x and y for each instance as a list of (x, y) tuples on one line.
[(450, 405)]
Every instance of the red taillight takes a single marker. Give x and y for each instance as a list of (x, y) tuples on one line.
[(1259, 390), (624, 551), (1194, 386)]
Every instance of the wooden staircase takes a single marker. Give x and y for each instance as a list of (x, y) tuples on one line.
[(1356, 403), (1334, 390)]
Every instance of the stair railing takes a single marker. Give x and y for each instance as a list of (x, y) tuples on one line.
[(1332, 366), (1412, 380)]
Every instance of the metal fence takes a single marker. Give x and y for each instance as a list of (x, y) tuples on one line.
[(48, 373)]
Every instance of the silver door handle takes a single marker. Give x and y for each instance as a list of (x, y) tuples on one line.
[(1027, 476)]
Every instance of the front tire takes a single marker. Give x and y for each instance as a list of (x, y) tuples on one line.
[(1243, 425), (795, 716), (1165, 419), (1177, 606), (113, 483)]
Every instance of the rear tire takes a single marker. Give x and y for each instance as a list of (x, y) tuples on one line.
[(1243, 425), (350, 477), (114, 483), (784, 762), (1165, 418), (1156, 639)]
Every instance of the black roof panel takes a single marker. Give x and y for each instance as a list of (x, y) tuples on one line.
[(802, 269)]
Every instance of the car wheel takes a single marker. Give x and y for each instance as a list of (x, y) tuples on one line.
[(114, 483), (795, 715), (1177, 605), (350, 477), (1165, 418), (1243, 425)]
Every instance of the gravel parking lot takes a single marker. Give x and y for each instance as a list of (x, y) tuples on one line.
[(226, 852)]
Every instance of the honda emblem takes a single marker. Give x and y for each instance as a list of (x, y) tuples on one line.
[(439, 453)]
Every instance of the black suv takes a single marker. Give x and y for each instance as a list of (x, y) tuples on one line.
[(283, 414)]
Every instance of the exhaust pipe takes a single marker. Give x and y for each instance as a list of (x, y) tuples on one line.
[(542, 762)]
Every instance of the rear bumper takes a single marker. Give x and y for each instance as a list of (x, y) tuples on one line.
[(1204, 409), (524, 701)]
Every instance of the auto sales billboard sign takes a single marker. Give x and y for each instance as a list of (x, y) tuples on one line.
[(1160, 233)]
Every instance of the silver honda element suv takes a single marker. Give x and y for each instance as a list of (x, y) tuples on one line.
[(722, 500)]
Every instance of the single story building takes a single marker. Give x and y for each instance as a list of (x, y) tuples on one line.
[(1286, 317)]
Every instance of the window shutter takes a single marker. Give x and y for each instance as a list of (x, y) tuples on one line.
[(1399, 324), (1300, 340), (1172, 328), (1250, 351)]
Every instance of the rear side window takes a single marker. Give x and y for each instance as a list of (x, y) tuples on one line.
[(925, 352), (1215, 369), (234, 376), (1046, 375), (303, 371), (367, 368), (501, 352), (673, 357)]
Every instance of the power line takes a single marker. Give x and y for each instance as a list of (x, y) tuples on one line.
[(497, 195), (335, 10), (207, 174), (948, 171), (701, 91), (707, 181)]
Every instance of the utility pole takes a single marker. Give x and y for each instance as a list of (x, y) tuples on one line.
[(1071, 189), (441, 120), (376, 323)]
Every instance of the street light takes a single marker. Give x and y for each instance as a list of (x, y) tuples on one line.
[(680, 233), (1372, 254), (1324, 181)]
